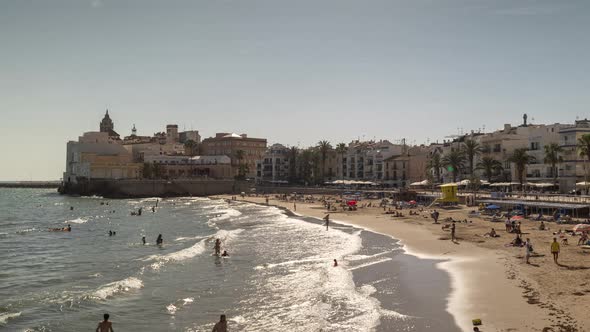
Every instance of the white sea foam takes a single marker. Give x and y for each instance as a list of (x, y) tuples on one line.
[(386, 259), (121, 286), (194, 250), (185, 238), (353, 258), (225, 214), (81, 220), (6, 316), (27, 230), (174, 307), (171, 309)]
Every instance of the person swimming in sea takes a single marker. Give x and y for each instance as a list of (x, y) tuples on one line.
[(225, 254), (159, 240)]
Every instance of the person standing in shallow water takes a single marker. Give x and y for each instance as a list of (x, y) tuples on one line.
[(159, 240), (105, 325), (327, 219), (143, 240), (220, 326)]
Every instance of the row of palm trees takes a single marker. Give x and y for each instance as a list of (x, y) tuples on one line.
[(454, 161)]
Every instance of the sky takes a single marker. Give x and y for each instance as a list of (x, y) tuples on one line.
[(294, 72)]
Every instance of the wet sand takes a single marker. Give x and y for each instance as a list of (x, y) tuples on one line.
[(489, 280)]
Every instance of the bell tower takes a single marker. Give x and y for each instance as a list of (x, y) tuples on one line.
[(106, 125)]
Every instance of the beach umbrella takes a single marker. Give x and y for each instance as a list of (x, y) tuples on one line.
[(351, 203), (412, 202), (492, 207), (581, 228), (516, 218)]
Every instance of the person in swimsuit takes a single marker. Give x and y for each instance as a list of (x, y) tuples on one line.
[(105, 325), (143, 239), (555, 250), (327, 219), (225, 254), (221, 326), (159, 240), (335, 263)]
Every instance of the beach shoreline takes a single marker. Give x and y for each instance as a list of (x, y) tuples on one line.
[(485, 282)]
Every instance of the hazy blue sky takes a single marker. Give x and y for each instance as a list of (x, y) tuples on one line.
[(294, 71)]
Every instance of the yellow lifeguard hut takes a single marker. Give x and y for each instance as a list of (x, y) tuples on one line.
[(449, 193)]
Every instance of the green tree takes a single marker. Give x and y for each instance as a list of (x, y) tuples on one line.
[(293, 156), (490, 166), (324, 148), (341, 150), (521, 158), (434, 165), (454, 161), (242, 169), (553, 158), (471, 149), (190, 147)]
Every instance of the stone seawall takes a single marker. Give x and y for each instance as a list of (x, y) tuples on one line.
[(155, 188)]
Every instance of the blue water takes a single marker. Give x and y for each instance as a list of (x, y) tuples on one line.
[(279, 276)]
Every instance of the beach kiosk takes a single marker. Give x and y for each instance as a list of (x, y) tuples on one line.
[(449, 194)]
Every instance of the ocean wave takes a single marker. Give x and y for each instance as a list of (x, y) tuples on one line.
[(27, 230), (225, 215), (6, 316), (196, 249), (379, 261), (81, 220), (183, 238), (121, 286), (365, 257), (172, 308)]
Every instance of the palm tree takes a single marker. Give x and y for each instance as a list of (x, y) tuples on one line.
[(341, 149), (454, 162), (489, 166), (584, 150), (324, 147), (189, 146), (435, 164), (293, 154), (521, 158), (471, 149), (553, 158)]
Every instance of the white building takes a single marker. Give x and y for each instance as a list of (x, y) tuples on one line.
[(96, 155)]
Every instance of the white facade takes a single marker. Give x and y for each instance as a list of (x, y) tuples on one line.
[(96, 144)]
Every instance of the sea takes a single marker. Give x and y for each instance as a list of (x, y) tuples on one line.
[(279, 275)]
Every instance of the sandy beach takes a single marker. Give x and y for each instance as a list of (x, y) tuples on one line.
[(490, 280)]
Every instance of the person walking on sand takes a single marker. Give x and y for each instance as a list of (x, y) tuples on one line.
[(105, 325), (220, 326), (435, 215), (555, 250), (453, 232), (327, 219)]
